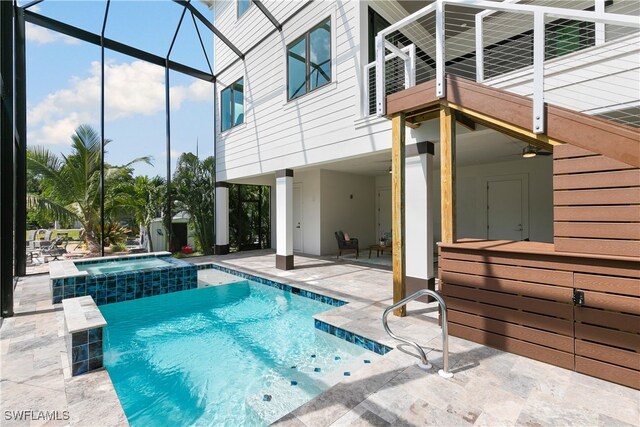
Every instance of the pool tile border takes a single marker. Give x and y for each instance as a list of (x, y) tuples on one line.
[(283, 287), (341, 333), (353, 338)]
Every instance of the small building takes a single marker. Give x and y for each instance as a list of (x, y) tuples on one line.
[(181, 233)]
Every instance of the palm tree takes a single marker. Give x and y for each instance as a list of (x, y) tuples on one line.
[(71, 184), (193, 189)]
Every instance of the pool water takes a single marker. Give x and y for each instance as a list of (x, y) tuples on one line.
[(122, 265), (238, 354)]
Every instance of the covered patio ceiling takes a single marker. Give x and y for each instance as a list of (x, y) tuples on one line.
[(482, 146)]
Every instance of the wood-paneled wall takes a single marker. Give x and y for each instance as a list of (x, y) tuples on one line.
[(596, 203), (523, 302)]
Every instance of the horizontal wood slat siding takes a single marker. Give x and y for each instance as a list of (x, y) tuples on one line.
[(614, 285), (603, 213), (523, 303), (596, 203), (606, 371), (523, 348), (600, 230), (629, 248)]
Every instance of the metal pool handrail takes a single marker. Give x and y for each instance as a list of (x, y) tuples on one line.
[(444, 372)]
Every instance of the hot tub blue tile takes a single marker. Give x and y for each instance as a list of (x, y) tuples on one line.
[(95, 335), (79, 367), (79, 338), (95, 363), (79, 353)]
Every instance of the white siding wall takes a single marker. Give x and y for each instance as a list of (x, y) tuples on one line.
[(348, 204), (318, 127)]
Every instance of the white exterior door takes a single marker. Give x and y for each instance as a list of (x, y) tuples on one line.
[(504, 210), (384, 212), (297, 219)]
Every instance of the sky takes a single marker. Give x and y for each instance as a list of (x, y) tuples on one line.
[(63, 81)]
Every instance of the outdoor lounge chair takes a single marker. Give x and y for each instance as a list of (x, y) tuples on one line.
[(57, 248), (346, 245)]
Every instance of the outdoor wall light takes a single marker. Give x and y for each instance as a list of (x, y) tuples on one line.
[(529, 152)]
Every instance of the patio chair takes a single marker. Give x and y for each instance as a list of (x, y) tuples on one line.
[(344, 244), (31, 237), (57, 248)]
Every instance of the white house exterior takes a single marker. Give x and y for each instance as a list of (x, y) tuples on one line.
[(328, 158)]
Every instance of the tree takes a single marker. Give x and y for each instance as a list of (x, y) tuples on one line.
[(70, 185), (193, 189), (150, 196)]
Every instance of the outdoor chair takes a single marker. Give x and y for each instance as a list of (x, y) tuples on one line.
[(344, 244), (57, 248)]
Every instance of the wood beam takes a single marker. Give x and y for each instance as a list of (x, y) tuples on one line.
[(397, 210), (537, 140), (465, 121), (423, 117), (448, 175)]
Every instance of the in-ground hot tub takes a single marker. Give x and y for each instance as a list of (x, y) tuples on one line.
[(121, 278)]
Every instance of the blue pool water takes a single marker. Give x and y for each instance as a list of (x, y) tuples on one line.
[(121, 265), (238, 354)]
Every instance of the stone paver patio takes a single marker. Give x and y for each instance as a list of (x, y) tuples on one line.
[(490, 387)]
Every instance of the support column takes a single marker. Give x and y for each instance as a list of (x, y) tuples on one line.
[(222, 218), (284, 219), (6, 159), (419, 217), (448, 175), (398, 210), (21, 147)]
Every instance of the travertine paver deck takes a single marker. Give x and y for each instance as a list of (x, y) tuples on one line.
[(490, 387)]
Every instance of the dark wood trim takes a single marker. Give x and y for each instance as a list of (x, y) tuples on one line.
[(284, 262), (281, 173), (425, 147), (222, 249), (222, 184)]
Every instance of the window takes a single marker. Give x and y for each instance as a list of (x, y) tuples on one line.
[(309, 61), (232, 105), (243, 6)]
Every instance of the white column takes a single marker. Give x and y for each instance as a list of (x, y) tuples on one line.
[(419, 217), (284, 219), (222, 218)]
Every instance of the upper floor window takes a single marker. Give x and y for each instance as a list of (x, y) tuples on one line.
[(243, 6), (232, 105), (309, 60)]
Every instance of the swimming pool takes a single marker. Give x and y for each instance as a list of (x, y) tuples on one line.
[(238, 354), (122, 265)]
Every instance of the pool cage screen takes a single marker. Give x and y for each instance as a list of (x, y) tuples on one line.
[(13, 124)]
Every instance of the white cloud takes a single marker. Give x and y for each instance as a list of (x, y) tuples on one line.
[(42, 35), (131, 89)]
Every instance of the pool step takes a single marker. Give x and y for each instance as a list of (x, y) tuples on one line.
[(298, 386)]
